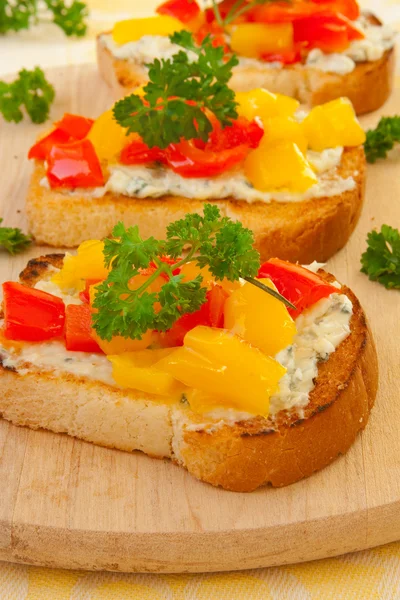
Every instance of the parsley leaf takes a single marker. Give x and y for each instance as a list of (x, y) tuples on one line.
[(17, 15), (21, 14), (381, 260), (382, 139), (13, 240), (226, 247), (71, 19), (178, 91), (31, 90)]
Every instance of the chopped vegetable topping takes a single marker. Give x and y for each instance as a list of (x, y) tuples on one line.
[(222, 245), (381, 260), (179, 95)]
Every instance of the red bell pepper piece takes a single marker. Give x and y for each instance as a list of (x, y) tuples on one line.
[(289, 57), (301, 287), (138, 153), (31, 315), (41, 149), (75, 126), (210, 314), (84, 294), (183, 10), (78, 329), (74, 165), (329, 33), (282, 12)]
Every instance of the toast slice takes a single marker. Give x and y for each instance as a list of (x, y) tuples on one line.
[(368, 86), (236, 455), (297, 231)]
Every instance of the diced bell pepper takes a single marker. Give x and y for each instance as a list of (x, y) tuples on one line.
[(132, 30), (74, 165), (78, 329), (333, 124), (259, 318), (107, 136), (31, 315), (221, 365), (264, 104), (255, 39), (279, 167), (301, 287), (87, 263), (284, 129), (138, 371)]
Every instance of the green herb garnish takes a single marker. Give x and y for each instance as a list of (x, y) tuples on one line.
[(223, 245), (22, 14), (381, 260), (382, 139), (32, 91), (13, 240), (178, 92)]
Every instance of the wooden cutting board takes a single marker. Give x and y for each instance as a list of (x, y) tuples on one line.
[(70, 504)]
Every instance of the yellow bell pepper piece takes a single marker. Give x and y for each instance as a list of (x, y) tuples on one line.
[(284, 129), (190, 270), (222, 365), (138, 371), (333, 124), (255, 39), (259, 318), (107, 136), (264, 104), (88, 263), (132, 30), (120, 345), (280, 167)]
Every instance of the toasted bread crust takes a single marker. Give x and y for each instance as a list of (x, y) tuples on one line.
[(296, 231), (239, 457), (339, 408), (368, 86)]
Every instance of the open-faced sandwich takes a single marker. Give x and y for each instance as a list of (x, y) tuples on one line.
[(295, 179), (187, 348), (312, 50)]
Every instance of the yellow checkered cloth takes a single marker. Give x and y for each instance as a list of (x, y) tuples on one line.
[(368, 575)]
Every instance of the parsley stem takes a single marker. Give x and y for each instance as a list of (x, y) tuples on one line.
[(217, 14), (270, 291)]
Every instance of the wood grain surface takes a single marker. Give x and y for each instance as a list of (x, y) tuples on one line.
[(70, 504)]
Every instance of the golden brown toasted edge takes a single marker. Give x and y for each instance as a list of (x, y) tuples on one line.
[(368, 86), (247, 456), (296, 231)]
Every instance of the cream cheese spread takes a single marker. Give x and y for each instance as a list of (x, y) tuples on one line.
[(378, 39), (153, 181), (139, 181)]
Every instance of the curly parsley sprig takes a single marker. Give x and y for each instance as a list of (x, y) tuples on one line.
[(22, 14), (382, 139), (224, 246), (178, 92), (381, 260), (13, 239), (30, 90)]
